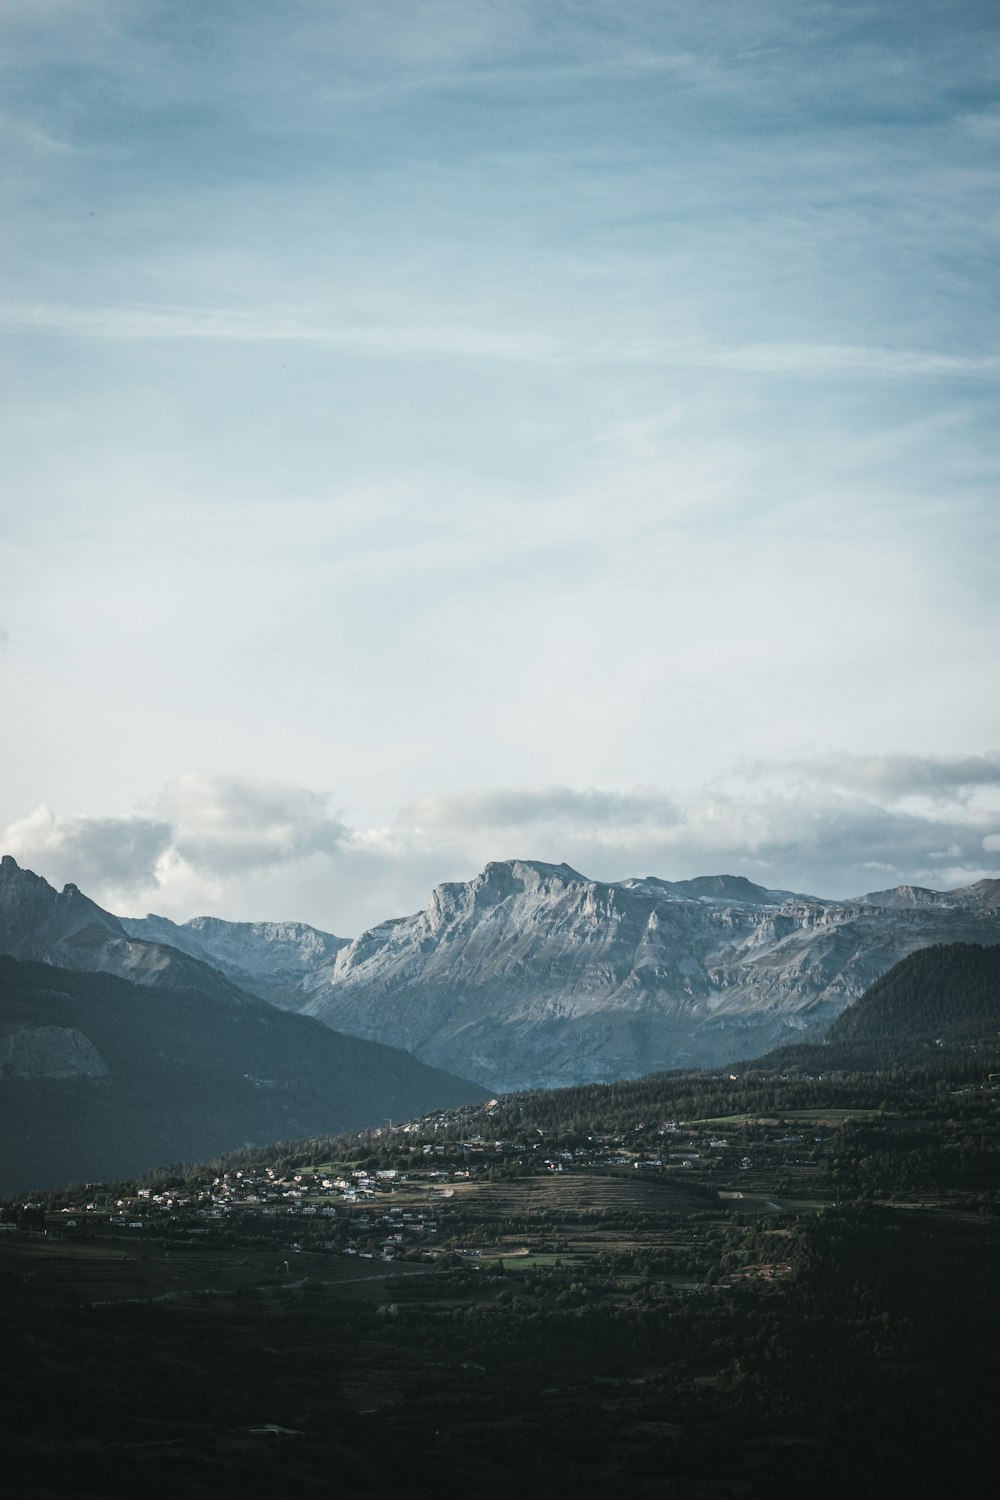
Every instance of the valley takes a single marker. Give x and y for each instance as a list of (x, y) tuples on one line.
[(604, 1290)]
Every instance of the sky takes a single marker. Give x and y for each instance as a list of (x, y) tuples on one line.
[(438, 431)]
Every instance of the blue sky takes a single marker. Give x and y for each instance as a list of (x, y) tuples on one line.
[(444, 431)]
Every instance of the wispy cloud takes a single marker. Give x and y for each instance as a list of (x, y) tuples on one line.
[(146, 321), (894, 776), (847, 359), (230, 325)]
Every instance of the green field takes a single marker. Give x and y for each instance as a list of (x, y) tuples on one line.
[(532, 1262)]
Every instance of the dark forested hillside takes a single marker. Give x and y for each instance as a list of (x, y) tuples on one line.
[(951, 990), (100, 1077)]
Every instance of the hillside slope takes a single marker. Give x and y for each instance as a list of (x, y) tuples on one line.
[(100, 1077), (949, 991), (66, 928)]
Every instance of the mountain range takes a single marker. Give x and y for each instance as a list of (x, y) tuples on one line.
[(532, 975)]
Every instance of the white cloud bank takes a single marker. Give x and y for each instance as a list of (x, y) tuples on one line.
[(831, 825)]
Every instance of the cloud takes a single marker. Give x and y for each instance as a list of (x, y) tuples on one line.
[(224, 825), (889, 776), (832, 825), (846, 359), (253, 850), (140, 321), (532, 807), (263, 325), (201, 832), (92, 852), (811, 836)]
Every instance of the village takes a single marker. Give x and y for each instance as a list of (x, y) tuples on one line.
[(415, 1193)]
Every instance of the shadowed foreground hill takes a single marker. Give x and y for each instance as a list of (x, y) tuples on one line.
[(100, 1077)]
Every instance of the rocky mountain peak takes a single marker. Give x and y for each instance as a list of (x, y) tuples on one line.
[(66, 928), (728, 888), (510, 877), (986, 892), (500, 881), (900, 897), (35, 917), (12, 877)]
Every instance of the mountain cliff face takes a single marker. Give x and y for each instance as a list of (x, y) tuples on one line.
[(270, 959), (531, 975)]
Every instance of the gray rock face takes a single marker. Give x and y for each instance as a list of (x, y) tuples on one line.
[(531, 975), (269, 959), (49, 1052), (36, 919)]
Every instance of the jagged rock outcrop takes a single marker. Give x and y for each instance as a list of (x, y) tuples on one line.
[(49, 1052), (532, 975)]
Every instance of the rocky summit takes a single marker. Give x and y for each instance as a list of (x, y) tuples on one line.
[(533, 975)]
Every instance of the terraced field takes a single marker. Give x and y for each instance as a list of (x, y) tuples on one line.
[(579, 1194)]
